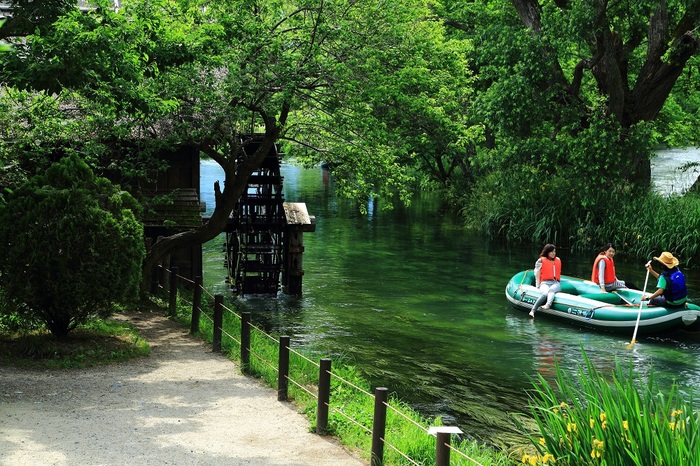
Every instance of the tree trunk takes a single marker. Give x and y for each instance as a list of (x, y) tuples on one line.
[(668, 49), (237, 170)]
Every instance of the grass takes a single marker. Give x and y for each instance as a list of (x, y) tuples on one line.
[(95, 343), (103, 342), (582, 419), (649, 224)]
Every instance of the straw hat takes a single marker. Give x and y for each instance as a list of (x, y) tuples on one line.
[(667, 259)]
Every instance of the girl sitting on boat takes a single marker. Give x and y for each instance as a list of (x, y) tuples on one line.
[(603, 272), (547, 277)]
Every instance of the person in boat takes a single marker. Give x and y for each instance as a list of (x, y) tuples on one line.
[(547, 277), (603, 272), (671, 290)]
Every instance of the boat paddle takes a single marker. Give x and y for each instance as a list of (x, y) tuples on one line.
[(639, 314), (627, 301)]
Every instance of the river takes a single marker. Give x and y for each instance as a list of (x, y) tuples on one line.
[(418, 306)]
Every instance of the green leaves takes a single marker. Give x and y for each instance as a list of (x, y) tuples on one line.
[(4, 47), (394, 112), (457, 96), (595, 418), (72, 246)]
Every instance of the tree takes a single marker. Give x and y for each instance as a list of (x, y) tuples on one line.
[(187, 71), (396, 112), (622, 57), (71, 245), (163, 70), (27, 16)]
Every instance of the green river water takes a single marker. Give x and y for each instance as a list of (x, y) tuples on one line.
[(418, 306)]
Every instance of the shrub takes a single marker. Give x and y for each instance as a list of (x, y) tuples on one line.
[(71, 246)]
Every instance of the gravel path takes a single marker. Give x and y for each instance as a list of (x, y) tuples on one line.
[(183, 405)]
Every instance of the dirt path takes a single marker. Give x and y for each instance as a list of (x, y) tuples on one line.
[(183, 405)]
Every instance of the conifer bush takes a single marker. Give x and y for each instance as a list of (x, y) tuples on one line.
[(71, 246)]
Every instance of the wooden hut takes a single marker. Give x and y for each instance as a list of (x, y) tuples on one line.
[(172, 205)]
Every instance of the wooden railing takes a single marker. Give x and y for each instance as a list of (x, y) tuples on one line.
[(443, 434)]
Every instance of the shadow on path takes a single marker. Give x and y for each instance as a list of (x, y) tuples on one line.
[(181, 405)]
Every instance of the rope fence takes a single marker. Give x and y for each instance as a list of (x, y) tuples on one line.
[(351, 419), (463, 455), (231, 311), (406, 417), (352, 385), (208, 317), (184, 300), (324, 384), (303, 388), (263, 361), (263, 333), (231, 337), (209, 294), (303, 357)]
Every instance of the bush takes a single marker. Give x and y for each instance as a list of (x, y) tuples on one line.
[(71, 246), (641, 223)]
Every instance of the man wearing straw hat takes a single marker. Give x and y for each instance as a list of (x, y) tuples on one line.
[(671, 290)]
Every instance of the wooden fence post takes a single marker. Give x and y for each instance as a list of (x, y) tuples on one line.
[(283, 370), (324, 394), (196, 305), (442, 449), (218, 322), (245, 341), (379, 426), (172, 306), (442, 443)]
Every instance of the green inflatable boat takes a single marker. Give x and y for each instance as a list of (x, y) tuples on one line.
[(582, 303)]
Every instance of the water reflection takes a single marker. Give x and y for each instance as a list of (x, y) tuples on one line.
[(675, 170), (419, 307)]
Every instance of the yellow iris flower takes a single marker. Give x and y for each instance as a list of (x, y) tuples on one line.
[(597, 450)]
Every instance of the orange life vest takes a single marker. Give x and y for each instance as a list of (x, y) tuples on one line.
[(551, 269), (609, 276)]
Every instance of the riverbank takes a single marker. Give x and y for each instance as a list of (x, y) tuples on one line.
[(181, 405)]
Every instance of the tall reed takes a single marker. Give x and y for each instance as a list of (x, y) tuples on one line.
[(569, 213), (619, 420), (647, 225)]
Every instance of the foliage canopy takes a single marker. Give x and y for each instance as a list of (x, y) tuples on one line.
[(502, 106)]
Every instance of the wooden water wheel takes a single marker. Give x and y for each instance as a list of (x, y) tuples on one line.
[(255, 236)]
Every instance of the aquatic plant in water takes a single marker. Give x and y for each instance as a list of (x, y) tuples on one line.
[(613, 420)]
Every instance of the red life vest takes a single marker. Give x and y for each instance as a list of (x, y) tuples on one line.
[(609, 276), (551, 269)]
